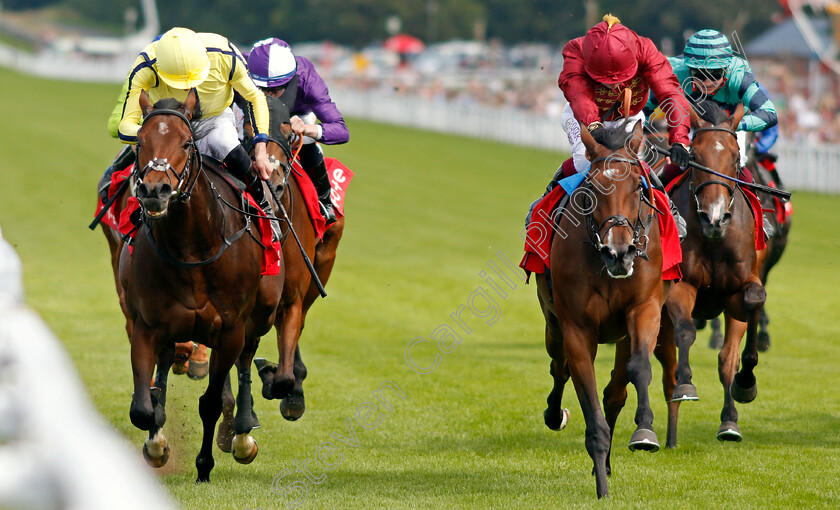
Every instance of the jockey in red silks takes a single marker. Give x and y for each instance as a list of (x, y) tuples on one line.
[(599, 71)]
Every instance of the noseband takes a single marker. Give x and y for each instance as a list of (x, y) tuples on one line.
[(640, 238), (695, 190), (162, 165)]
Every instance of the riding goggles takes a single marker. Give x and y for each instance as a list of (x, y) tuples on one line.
[(707, 74)]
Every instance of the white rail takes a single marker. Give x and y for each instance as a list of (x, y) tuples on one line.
[(56, 451)]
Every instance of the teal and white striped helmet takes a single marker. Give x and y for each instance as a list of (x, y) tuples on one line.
[(708, 49)]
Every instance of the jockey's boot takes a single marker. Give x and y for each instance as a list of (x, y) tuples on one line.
[(321, 180), (123, 159), (238, 164), (682, 230)]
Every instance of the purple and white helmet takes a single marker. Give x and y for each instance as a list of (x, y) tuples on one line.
[(271, 63)]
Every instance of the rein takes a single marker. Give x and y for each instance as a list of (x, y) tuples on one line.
[(695, 190), (616, 220), (162, 165)]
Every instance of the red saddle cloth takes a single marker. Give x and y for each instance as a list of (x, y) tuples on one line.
[(340, 177), (755, 204), (121, 219), (540, 232)]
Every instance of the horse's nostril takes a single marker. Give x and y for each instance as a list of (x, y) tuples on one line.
[(165, 190), (725, 220), (608, 254), (142, 190)]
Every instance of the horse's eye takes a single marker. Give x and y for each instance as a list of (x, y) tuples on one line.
[(187, 146)]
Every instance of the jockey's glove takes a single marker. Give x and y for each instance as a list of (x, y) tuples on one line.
[(679, 154), (598, 132)]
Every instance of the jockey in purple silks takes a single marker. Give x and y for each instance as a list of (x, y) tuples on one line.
[(276, 70)]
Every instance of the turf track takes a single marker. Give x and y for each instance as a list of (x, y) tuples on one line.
[(426, 213)]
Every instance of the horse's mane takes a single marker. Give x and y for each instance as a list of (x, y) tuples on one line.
[(170, 103), (711, 111), (616, 136)]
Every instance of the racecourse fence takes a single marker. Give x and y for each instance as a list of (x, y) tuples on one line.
[(56, 451), (802, 167)]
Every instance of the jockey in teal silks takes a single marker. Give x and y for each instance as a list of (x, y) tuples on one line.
[(708, 69)]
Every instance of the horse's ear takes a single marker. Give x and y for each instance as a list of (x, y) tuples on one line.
[(696, 120), (189, 103), (736, 117), (589, 142), (145, 103), (636, 138)]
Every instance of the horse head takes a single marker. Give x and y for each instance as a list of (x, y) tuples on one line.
[(614, 188), (715, 145), (165, 152), (280, 136)]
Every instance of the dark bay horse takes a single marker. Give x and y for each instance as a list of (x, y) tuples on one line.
[(189, 357), (194, 274), (299, 289), (285, 379), (720, 265), (606, 286), (775, 248)]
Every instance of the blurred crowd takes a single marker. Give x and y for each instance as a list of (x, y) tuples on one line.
[(524, 78)]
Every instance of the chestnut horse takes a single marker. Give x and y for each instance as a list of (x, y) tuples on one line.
[(721, 267), (612, 293), (194, 274)]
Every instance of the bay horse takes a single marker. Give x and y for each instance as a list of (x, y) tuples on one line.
[(606, 287), (775, 248), (285, 379), (721, 266), (191, 276), (189, 357)]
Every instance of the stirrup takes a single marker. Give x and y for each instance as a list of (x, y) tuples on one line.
[(328, 211)]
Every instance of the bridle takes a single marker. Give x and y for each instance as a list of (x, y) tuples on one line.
[(162, 165), (695, 190), (639, 227)]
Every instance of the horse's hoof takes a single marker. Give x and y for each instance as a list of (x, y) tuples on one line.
[(292, 407), (685, 392), (644, 439), (282, 386), (729, 431), (551, 421), (156, 462), (763, 341), (198, 370), (266, 369), (742, 393), (244, 448)]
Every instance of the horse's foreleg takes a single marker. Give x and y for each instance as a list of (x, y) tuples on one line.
[(243, 446), (763, 334), (643, 326), (146, 411), (293, 406), (679, 304), (615, 394), (728, 361), (744, 385), (666, 352), (288, 332), (580, 349), (555, 415), (716, 338), (222, 358)]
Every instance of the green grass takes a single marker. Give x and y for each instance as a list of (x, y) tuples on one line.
[(426, 212)]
